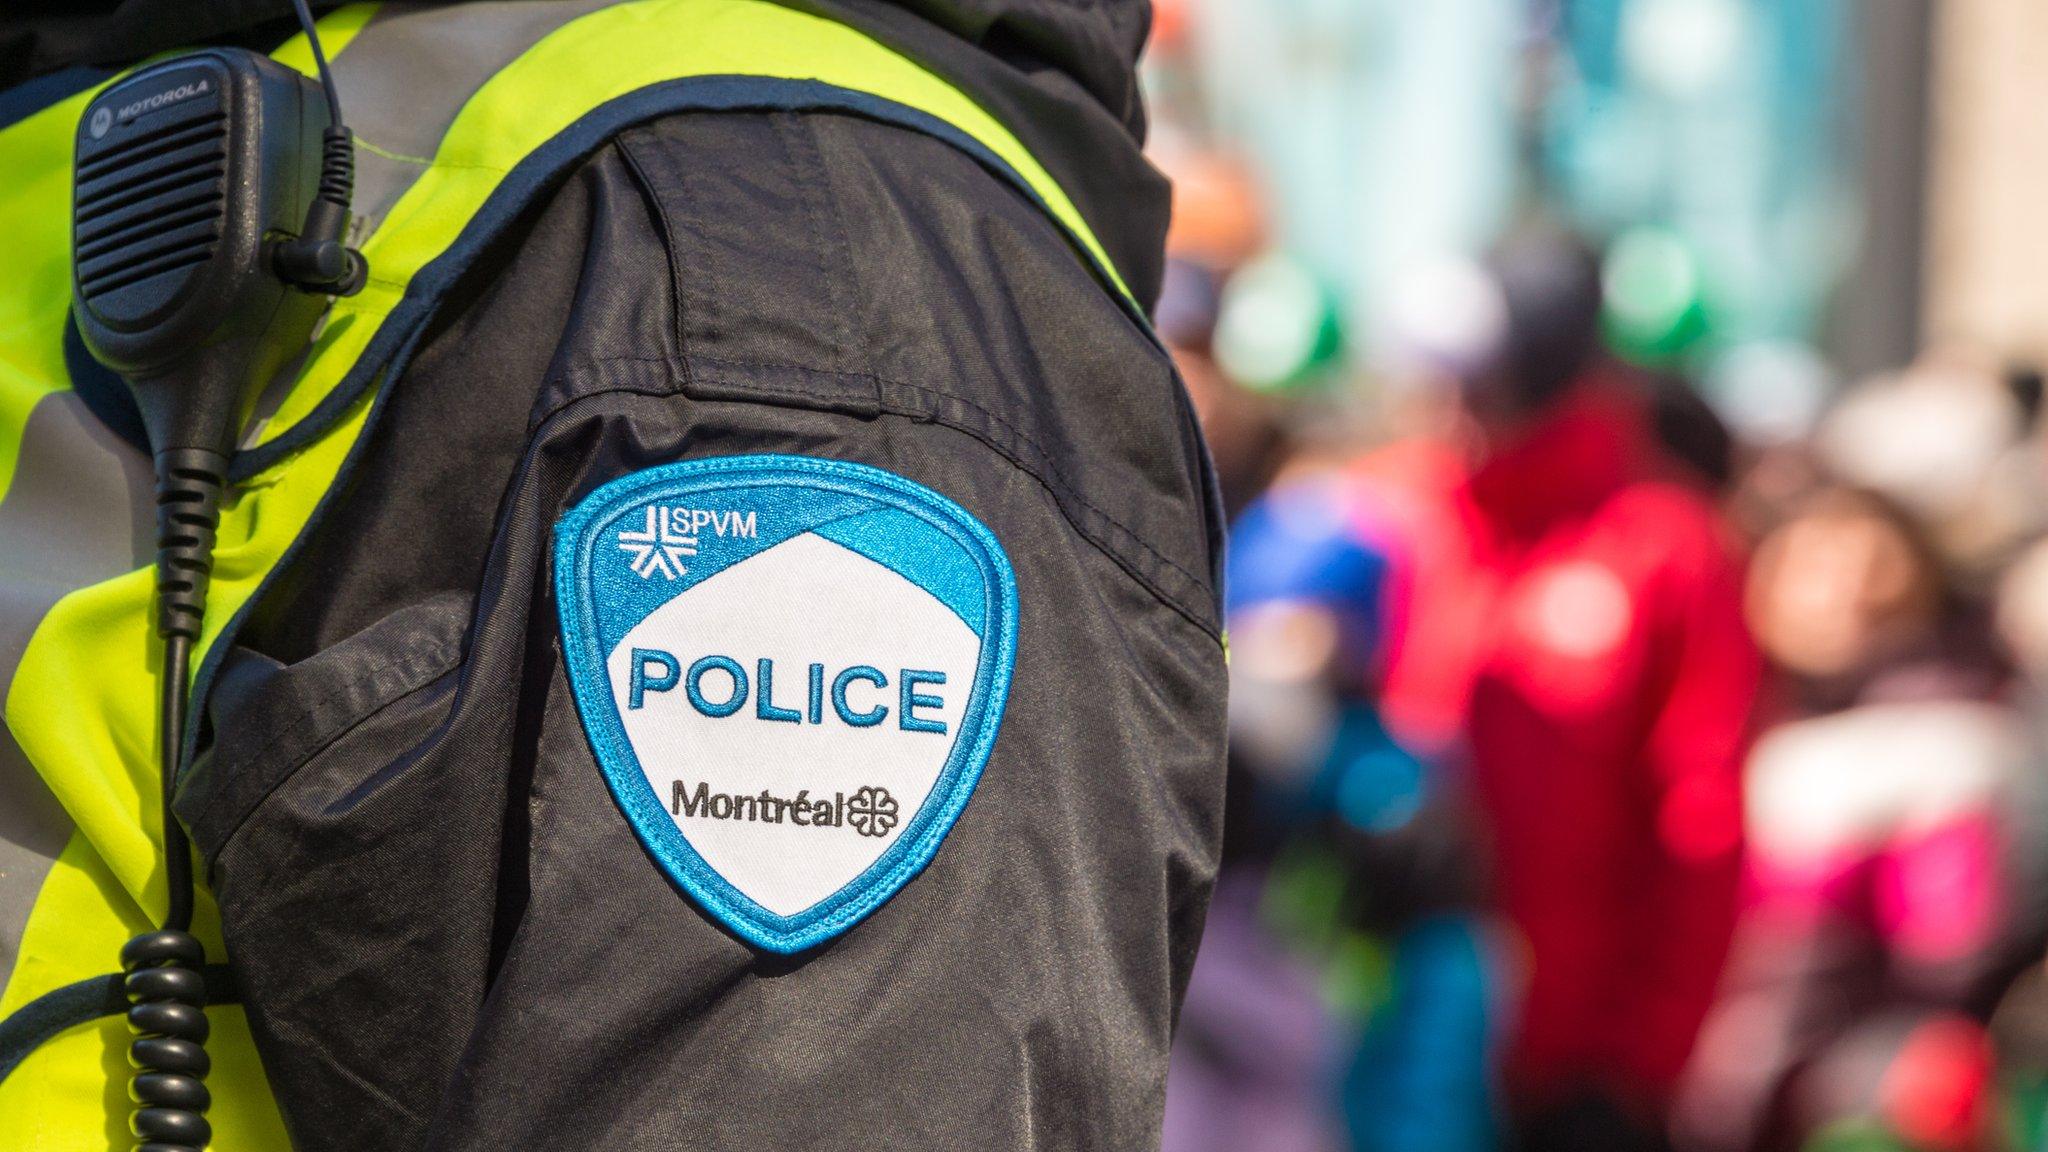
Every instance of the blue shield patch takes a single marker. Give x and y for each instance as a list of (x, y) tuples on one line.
[(791, 671)]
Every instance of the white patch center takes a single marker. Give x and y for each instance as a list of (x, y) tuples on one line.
[(804, 602)]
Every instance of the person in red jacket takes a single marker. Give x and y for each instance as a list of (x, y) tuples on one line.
[(1570, 624)]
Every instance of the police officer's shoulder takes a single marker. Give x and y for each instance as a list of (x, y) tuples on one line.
[(828, 261)]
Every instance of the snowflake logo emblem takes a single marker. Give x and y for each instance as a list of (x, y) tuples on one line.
[(660, 547), (872, 811)]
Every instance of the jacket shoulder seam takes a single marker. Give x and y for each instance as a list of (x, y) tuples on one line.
[(677, 380)]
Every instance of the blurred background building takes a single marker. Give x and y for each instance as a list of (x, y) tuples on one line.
[(1642, 744), (1987, 238)]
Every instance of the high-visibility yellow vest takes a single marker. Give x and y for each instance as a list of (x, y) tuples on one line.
[(462, 115)]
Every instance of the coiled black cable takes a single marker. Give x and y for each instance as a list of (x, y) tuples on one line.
[(168, 1016), (337, 166)]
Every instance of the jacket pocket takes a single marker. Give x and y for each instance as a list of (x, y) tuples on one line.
[(354, 861), (269, 719)]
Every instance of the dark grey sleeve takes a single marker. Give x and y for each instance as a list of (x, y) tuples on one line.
[(449, 933)]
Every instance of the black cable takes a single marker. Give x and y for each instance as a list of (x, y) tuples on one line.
[(166, 989), (189, 486), (319, 61), (318, 259), (59, 1010), (171, 731)]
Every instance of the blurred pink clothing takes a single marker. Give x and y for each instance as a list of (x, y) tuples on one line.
[(1570, 617), (1891, 816)]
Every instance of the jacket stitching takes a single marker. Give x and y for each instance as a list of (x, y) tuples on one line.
[(671, 241), (1041, 467), (1045, 461), (835, 252)]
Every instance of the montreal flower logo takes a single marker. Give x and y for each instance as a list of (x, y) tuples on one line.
[(871, 811)]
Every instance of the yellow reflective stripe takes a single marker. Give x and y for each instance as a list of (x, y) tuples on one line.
[(337, 28), (82, 707), (608, 54)]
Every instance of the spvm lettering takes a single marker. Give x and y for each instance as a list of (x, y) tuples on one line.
[(680, 521), (862, 696)]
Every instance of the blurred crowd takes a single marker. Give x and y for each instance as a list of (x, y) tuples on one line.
[(1639, 579), (1609, 771)]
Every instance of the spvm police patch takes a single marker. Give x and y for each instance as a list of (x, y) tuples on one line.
[(791, 671)]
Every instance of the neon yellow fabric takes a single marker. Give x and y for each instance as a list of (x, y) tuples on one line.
[(70, 1095), (81, 705)]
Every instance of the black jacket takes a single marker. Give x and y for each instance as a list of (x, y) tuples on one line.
[(447, 935)]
